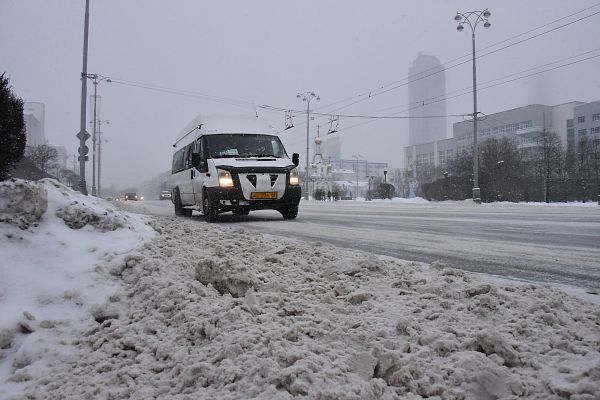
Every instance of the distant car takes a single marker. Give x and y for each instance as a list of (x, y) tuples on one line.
[(133, 197), (165, 195)]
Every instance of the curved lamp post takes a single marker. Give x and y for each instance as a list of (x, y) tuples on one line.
[(472, 19), (307, 97)]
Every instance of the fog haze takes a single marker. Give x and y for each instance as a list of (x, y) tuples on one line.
[(240, 52)]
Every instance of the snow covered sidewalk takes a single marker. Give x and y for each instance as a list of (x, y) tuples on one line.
[(204, 311)]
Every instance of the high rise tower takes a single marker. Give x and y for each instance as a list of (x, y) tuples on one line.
[(426, 90)]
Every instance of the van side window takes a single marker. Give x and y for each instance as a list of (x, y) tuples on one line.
[(199, 148), (188, 156), (178, 161), (203, 148)]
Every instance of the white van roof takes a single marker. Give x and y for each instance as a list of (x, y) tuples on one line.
[(217, 124)]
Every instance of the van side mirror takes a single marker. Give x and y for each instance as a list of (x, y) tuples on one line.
[(195, 159), (296, 159)]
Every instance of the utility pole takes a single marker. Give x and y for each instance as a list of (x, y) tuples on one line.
[(100, 133), (95, 79), (94, 138), (307, 97), (83, 135)]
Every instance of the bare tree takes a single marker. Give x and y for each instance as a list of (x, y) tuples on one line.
[(70, 177), (595, 162), (548, 159), (583, 167), (42, 156), (501, 169)]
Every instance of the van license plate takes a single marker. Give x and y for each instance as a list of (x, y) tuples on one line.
[(263, 195)]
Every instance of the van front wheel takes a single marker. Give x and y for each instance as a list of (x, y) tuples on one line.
[(289, 212), (209, 208)]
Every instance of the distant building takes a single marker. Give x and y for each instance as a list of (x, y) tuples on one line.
[(426, 89), (331, 147), (585, 123), (350, 178), (523, 125), (34, 115)]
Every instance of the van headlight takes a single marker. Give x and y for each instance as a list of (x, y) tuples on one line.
[(225, 179), (294, 177)]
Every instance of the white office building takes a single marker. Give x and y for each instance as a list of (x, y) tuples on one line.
[(426, 90)]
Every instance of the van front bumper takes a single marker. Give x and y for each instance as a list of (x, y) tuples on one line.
[(233, 199)]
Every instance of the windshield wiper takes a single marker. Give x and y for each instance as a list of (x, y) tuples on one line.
[(260, 155)]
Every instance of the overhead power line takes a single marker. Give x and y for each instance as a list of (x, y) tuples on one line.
[(450, 95), (183, 92), (504, 82), (375, 92)]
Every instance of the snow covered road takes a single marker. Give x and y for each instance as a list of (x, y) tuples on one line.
[(556, 243)]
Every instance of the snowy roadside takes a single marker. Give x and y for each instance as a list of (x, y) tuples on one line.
[(55, 246), (204, 311)]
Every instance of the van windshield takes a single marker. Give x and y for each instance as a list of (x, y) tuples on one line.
[(243, 145)]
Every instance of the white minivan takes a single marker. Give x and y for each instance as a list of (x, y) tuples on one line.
[(233, 163)]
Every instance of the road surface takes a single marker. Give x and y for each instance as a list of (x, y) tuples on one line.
[(556, 243)]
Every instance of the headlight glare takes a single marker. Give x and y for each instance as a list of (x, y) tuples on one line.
[(294, 177), (225, 179)]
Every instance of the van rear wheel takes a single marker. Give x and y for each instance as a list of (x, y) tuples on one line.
[(209, 208), (179, 210), (177, 203)]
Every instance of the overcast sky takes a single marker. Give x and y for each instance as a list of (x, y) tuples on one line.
[(267, 51)]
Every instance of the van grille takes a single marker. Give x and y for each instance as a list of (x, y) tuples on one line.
[(252, 179), (273, 179)]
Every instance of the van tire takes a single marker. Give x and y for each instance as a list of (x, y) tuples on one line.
[(289, 212), (179, 210), (209, 208), (177, 203)]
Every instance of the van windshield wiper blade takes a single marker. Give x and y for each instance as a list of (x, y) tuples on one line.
[(261, 155)]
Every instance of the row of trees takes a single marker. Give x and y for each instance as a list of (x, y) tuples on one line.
[(546, 172)]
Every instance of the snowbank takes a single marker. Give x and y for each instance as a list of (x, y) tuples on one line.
[(412, 200), (54, 245), (211, 312)]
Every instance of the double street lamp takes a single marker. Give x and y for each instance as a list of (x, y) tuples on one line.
[(307, 97), (472, 19)]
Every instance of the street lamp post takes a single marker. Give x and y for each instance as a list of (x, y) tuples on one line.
[(472, 19), (356, 157), (83, 135), (307, 97)]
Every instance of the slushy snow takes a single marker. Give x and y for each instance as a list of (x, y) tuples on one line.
[(204, 311), (54, 245)]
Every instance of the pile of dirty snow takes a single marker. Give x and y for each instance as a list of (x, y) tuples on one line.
[(55, 244), (213, 312)]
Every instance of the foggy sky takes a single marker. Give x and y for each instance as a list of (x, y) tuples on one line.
[(266, 52)]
